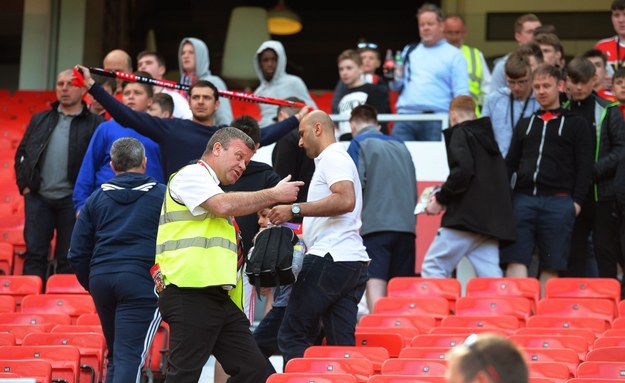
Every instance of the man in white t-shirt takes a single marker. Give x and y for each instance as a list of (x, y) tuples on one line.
[(335, 270)]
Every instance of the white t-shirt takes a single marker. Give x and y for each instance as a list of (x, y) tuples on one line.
[(193, 185), (338, 235), (181, 104)]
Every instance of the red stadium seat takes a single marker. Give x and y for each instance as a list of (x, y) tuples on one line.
[(621, 309), (32, 318), (424, 352), (609, 341), (406, 379), (300, 377), (438, 340), (606, 354), (20, 331), (377, 355), (448, 288), (88, 318), (518, 307), (72, 304), (406, 332), (360, 368), (41, 370), (501, 322), (560, 355), (64, 360), (431, 306), (596, 325), (573, 342), (19, 286), (466, 331), (7, 339), (577, 307), (414, 367), (393, 343), (601, 370), (88, 328), (614, 332), (505, 286), (421, 322), (609, 288), (6, 258), (64, 284), (156, 360), (7, 304), (588, 335), (551, 370)]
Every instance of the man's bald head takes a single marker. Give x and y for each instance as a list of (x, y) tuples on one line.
[(120, 61)]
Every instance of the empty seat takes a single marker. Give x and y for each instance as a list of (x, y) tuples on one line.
[(360, 368), (7, 339), (41, 370), (609, 341), (608, 288), (156, 360), (406, 332), (393, 343), (597, 325), (77, 328), (588, 335), (438, 340), (602, 370), (377, 355), (20, 330), (606, 354), (560, 355), (505, 286), (6, 258), (405, 379), (448, 288), (7, 304), (518, 307), (64, 284), (18, 286), (424, 352), (422, 322), (466, 331), (551, 370), (88, 318), (573, 342), (72, 304), (502, 322), (431, 306), (32, 318), (578, 307), (301, 377), (64, 360), (414, 367)]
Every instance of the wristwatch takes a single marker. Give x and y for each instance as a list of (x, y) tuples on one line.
[(296, 210)]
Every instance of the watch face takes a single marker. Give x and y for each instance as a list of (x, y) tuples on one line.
[(295, 209)]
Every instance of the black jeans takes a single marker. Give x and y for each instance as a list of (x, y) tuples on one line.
[(205, 321), (44, 217)]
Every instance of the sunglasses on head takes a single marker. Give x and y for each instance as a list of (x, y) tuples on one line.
[(368, 45)]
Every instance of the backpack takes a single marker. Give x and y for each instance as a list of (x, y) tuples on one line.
[(271, 259)]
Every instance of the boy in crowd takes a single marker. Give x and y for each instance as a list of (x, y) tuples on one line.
[(550, 169), (599, 60), (162, 106), (608, 142)]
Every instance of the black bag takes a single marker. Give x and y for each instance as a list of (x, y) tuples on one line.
[(270, 262)]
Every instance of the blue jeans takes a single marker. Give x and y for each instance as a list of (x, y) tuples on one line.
[(418, 130), (325, 291), (42, 218)]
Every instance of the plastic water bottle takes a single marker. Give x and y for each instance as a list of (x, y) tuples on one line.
[(298, 257), (389, 66), (399, 67)]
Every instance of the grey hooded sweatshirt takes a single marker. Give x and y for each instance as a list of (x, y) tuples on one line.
[(281, 85), (223, 116)]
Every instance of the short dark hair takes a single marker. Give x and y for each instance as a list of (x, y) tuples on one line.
[(248, 125), (531, 49), (594, 53), (290, 110), (618, 5), (226, 135), (165, 101), (549, 39), (517, 65), (127, 153), (547, 70), (364, 113), (620, 73), (205, 84), (429, 7), (160, 59), (105, 80), (580, 70), (148, 88)]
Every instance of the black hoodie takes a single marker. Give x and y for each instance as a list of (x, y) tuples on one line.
[(476, 193)]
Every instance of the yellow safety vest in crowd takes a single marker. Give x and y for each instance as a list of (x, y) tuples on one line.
[(474, 66), (197, 251)]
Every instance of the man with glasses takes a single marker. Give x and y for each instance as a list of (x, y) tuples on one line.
[(508, 104), (486, 357)]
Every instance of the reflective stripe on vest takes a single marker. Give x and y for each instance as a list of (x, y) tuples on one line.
[(474, 67), (195, 251)]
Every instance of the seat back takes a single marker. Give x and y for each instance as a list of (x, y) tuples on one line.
[(7, 304), (72, 304), (360, 368), (431, 306), (609, 341), (606, 354), (393, 343), (505, 286), (406, 332), (413, 366), (18, 286), (406, 379), (40, 370), (560, 355), (93, 328), (64, 284), (448, 288), (438, 340), (33, 318), (422, 322), (551, 370), (156, 359), (517, 307), (64, 360), (609, 288), (602, 370), (588, 335), (20, 330), (597, 325), (88, 318), (573, 342), (307, 377), (423, 352), (377, 355), (502, 322), (577, 307), (6, 257)]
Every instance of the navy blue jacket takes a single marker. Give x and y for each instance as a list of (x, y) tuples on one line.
[(116, 228)]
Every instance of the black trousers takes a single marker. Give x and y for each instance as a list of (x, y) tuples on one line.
[(600, 219), (205, 321)]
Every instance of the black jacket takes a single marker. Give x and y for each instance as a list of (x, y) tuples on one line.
[(608, 121), (552, 157), (476, 193), (29, 152)]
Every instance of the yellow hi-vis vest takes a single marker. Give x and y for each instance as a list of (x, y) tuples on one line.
[(474, 66), (197, 251)]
